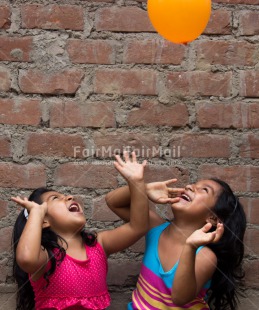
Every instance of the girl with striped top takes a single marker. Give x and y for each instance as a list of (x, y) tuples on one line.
[(194, 261)]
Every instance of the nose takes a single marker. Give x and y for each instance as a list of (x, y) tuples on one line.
[(189, 188), (69, 197)]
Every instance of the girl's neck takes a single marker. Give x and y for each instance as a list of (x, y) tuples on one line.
[(180, 230), (75, 247), (74, 241)]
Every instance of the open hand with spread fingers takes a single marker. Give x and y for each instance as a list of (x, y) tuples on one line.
[(160, 192), (130, 169), (29, 205), (203, 236)]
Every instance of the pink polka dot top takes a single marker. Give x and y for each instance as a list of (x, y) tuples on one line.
[(75, 284)]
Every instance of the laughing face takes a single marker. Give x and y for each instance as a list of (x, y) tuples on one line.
[(198, 199), (64, 213)]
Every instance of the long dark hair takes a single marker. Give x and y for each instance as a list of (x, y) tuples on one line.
[(49, 241), (227, 281)]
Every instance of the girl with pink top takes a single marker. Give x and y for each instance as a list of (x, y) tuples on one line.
[(59, 265)]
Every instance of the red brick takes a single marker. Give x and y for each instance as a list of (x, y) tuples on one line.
[(135, 81), (249, 147), (156, 171), (249, 84), (91, 51), (5, 240), (145, 145), (37, 82), (153, 52), (241, 178), (52, 16), (245, 202), (237, 1), (251, 206), (227, 115), (86, 175), (15, 48), (52, 144), (252, 276), (201, 145), (220, 22), (199, 83), (123, 19), (5, 17), (152, 113), (226, 53), (20, 111), (5, 146), (92, 114), (22, 176), (249, 22), (252, 241), (5, 79), (101, 212), (3, 208)]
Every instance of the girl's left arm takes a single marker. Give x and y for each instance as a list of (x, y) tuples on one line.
[(124, 236), (193, 270)]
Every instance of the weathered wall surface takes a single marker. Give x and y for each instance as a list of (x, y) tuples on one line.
[(80, 79)]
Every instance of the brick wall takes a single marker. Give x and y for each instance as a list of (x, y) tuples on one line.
[(80, 77)]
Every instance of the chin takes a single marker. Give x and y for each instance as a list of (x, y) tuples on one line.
[(178, 204), (80, 224)]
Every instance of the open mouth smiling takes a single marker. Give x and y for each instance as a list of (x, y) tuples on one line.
[(74, 207), (186, 197)]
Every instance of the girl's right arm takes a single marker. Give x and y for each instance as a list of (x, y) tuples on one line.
[(122, 237), (29, 254), (119, 200)]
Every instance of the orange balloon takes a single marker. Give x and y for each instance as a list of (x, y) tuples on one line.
[(179, 21)]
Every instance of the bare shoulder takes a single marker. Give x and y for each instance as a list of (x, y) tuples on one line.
[(207, 251)]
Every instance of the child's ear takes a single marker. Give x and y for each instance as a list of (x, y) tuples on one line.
[(45, 223), (213, 219)]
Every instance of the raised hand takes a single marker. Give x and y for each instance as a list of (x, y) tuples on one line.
[(160, 192), (203, 236), (130, 169), (29, 205)]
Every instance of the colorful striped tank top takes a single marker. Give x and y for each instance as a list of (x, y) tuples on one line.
[(154, 285)]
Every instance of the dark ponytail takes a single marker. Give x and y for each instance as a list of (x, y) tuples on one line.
[(227, 280)]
